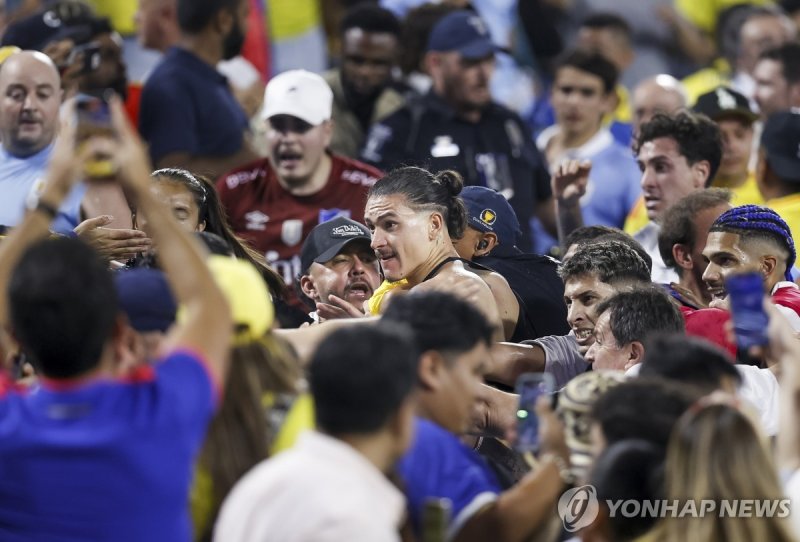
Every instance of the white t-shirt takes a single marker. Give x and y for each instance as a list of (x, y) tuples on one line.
[(760, 388), (322, 489)]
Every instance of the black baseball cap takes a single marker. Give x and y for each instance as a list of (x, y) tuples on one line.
[(781, 143), (724, 102), (326, 240)]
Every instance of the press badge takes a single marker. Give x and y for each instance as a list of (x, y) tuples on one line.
[(443, 147)]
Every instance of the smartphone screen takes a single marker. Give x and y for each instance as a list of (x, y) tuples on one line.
[(93, 118), (530, 386), (746, 296)]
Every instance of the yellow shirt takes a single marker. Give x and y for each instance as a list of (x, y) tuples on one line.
[(707, 79), (747, 194), (637, 217), (705, 13), (292, 18), (789, 209), (623, 111), (120, 12), (374, 302)]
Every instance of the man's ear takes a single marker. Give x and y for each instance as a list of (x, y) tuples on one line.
[(486, 243), (431, 370), (768, 265), (431, 62), (682, 256), (701, 171), (309, 288), (636, 354), (435, 225)]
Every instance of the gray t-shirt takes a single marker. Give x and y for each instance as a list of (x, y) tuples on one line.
[(562, 358)]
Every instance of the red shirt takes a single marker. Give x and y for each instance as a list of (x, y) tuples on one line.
[(276, 222), (787, 295)]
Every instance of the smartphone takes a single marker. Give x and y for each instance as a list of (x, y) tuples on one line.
[(91, 56), (746, 297), (93, 118), (529, 387)]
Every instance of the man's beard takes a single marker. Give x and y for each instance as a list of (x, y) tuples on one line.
[(233, 43)]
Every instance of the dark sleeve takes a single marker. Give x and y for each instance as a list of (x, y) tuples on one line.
[(386, 144), (539, 23), (167, 120)]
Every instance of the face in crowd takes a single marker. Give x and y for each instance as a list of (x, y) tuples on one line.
[(667, 175), (463, 82), (352, 275), (367, 61), (296, 148), (579, 101), (726, 255), (31, 97), (401, 236), (583, 294), (181, 201)]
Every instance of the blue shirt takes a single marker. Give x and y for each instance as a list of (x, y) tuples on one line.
[(105, 460), (19, 177), (187, 107), (613, 189), (438, 465)]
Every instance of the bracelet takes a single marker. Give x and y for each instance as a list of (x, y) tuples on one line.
[(35, 204), (43, 207)]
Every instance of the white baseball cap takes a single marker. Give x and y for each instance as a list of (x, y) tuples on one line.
[(301, 94)]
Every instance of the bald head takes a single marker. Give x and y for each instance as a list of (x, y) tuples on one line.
[(30, 97), (660, 94)]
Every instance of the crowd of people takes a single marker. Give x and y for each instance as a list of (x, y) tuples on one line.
[(244, 305)]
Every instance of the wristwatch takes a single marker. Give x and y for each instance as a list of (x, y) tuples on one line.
[(35, 204)]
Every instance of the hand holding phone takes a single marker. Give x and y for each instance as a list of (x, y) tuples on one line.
[(93, 119), (529, 387), (746, 296)]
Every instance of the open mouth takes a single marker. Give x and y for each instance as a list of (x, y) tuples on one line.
[(289, 159), (651, 202), (718, 293), (359, 290), (582, 335)]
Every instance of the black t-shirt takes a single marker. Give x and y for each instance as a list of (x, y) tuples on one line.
[(497, 151), (534, 278)]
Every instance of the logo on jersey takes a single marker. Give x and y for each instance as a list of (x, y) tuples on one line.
[(443, 147), (256, 221), (292, 232), (330, 214)]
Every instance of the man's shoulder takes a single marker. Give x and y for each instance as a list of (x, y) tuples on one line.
[(354, 171), (250, 173)]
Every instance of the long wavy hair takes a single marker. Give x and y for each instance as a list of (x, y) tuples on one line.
[(716, 453), (211, 211)]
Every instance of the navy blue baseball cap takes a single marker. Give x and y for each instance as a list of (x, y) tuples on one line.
[(146, 299), (780, 139), (462, 31), (488, 211)]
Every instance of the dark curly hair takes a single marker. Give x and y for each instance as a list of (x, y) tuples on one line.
[(611, 261), (697, 136)]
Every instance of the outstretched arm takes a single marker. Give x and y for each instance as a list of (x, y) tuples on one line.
[(207, 326)]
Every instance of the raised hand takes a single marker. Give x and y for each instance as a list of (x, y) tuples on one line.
[(570, 180)]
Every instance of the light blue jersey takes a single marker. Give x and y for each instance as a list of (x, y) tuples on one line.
[(21, 177), (614, 184)]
